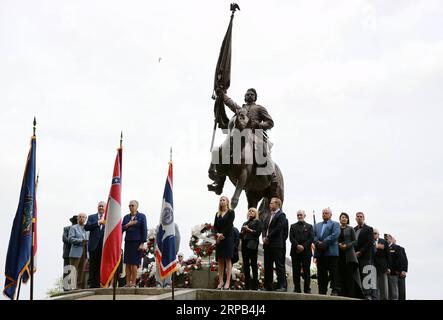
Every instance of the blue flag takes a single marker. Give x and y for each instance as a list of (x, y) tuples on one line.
[(165, 249), (20, 242)]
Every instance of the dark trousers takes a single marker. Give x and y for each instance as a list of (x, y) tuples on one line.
[(277, 256), (327, 270), (401, 288), (346, 277), (299, 262), (250, 262), (95, 258)]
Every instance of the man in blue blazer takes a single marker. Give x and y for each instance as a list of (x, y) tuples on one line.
[(326, 235), (96, 228), (78, 238), (275, 231)]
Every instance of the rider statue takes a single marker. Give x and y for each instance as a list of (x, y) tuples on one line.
[(259, 118)]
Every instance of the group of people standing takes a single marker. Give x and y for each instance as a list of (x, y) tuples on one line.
[(352, 261), (274, 231), (83, 241)]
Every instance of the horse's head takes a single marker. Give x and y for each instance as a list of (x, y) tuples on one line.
[(242, 120)]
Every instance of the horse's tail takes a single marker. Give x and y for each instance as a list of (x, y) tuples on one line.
[(280, 191), (277, 191), (263, 210)]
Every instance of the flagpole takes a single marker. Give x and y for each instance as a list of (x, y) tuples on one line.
[(18, 290), (31, 287), (172, 276), (114, 285), (114, 281)]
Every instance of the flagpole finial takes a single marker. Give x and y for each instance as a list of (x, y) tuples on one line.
[(234, 7), (34, 126), (121, 138)]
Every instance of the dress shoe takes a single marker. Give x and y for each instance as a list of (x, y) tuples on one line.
[(281, 290)]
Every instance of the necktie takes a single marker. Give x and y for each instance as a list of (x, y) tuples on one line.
[(323, 227), (272, 216)]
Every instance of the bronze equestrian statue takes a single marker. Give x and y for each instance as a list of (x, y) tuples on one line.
[(245, 155)]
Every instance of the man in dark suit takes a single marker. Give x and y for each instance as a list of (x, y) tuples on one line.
[(301, 237), (326, 235), (398, 269), (96, 228), (275, 231), (67, 248), (364, 249), (381, 262)]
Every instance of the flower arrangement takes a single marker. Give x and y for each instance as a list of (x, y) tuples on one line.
[(182, 276), (147, 278), (202, 241)]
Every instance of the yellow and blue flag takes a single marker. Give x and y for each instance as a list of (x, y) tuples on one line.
[(20, 243)]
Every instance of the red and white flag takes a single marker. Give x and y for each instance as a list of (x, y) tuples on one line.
[(112, 241)]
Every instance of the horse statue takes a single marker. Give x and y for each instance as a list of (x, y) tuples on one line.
[(242, 167)]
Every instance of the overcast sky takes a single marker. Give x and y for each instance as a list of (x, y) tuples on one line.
[(354, 88)]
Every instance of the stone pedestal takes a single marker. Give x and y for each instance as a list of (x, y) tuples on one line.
[(203, 278)]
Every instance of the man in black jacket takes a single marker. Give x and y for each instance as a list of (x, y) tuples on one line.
[(381, 262), (364, 249), (398, 269), (275, 231), (96, 227), (301, 236)]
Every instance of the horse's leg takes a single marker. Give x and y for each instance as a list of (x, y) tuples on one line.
[(239, 186), (253, 198)]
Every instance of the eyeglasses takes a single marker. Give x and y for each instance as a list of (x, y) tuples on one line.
[(132, 205)]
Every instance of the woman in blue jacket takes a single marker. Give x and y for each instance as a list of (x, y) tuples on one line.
[(136, 229)]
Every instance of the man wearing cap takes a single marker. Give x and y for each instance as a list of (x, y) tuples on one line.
[(398, 269), (67, 248), (96, 228)]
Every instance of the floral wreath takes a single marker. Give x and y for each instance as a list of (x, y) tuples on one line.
[(202, 241)]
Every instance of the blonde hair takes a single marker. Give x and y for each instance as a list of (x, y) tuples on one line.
[(255, 212), (219, 206)]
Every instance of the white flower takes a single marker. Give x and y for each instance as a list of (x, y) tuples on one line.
[(196, 230), (235, 273), (151, 233)]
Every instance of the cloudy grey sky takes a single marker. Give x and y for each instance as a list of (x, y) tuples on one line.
[(354, 88)]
